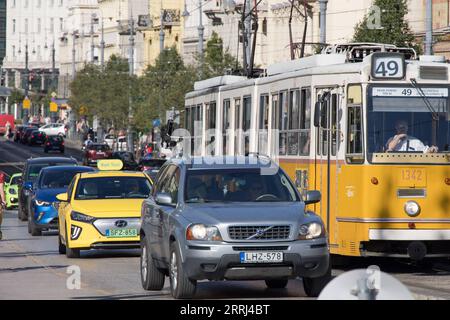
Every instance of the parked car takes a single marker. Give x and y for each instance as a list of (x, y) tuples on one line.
[(127, 158), (256, 224), (30, 173), (11, 191), (54, 143), (95, 152), (26, 134), (18, 132), (54, 129), (51, 182), (36, 137)]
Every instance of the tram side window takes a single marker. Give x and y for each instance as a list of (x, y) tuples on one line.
[(294, 123), (211, 123), (196, 120), (263, 123), (246, 117), (354, 125), (283, 121), (329, 109), (187, 119), (237, 126), (225, 125), (305, 122)]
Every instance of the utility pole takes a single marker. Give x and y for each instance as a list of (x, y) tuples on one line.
[(201, 30), (291, 40), (92, 37), (53, 76), (429, 28), (130, 142), (323, 21), (161, 31), (246, 34), (255, 33), (27, 82), (73, 54), (102, 47)]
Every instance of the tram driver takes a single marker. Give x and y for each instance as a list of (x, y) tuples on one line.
[(406, 143)]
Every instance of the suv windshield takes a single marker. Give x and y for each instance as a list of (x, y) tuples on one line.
[(113, 188), (400, 121), (237, 185), (35, 169)]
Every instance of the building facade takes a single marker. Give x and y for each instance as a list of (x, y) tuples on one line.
[(2, 31)]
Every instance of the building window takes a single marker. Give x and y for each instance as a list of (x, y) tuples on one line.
[(14, 3), (52, 25), (26, 3), (52, 3), (14, 51), (39, 25), (61, 24), (26, 25), (14, 26), (61, 2), (39, 2)]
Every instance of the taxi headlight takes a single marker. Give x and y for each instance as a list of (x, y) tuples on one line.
[(412, 208), (311, 231), (42, 203), (202, 232), (76, 216)]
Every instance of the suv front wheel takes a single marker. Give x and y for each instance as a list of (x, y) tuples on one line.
[(151, 277), (313, 286), (181, 286)]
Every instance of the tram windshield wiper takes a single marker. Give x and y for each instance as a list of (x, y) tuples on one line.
[(434, 114)]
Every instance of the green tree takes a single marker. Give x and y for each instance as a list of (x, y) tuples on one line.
[(16, 96), (393, 29), (162, 87), (216, 60)]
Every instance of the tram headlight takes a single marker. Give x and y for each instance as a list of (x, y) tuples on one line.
[(412, 208)]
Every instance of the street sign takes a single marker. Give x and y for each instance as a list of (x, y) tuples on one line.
[(53, 107), (26, 103), (83, 110), (54, 94), (156, 122)]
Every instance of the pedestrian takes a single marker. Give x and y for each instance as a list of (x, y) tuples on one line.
[(2, 200)]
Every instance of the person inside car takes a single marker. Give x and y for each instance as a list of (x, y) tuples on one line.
[(405, 143)]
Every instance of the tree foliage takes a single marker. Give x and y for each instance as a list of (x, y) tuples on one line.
[(393, 28)]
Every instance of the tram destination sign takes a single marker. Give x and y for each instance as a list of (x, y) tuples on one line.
[(409, 92), (388, 66)]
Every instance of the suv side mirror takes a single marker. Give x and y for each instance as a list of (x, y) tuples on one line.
[(313, 196), (163, 199)]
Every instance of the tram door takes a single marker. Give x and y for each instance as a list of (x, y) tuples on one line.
[(325, 160)]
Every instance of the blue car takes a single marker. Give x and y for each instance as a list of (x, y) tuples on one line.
[(51, 182)]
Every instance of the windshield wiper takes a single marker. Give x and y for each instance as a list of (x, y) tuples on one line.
[(434, 114)]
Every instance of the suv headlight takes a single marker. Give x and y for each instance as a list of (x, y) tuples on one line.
[(76, 216), (311, 231), (42, 203), (202, 232)]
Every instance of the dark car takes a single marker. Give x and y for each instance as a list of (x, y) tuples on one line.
[(129, 163), (36, 137), (26, 134), (30, 173), (95, 152), (18, 132), (51, 182), (53, 143), (151, 166)]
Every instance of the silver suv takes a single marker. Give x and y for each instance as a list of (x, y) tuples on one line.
[(233, 218)]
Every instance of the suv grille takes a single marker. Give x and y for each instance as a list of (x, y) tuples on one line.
[(259, 232)]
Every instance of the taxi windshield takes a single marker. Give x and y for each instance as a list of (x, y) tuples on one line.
[(400, 121), (113, 188), (237, 185)]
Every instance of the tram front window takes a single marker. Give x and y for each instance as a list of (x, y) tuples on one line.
[(407, 125)]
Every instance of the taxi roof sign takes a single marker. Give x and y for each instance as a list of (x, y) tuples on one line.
[(110, 165)]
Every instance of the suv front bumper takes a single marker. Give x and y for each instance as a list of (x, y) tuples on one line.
[(301, 258)]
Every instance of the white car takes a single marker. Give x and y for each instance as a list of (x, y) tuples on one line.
[(121, 143), (54, 129)]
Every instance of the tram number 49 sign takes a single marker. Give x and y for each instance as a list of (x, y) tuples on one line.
[(388, 66)]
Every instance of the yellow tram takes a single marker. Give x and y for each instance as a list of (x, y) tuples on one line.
[(366, 124)]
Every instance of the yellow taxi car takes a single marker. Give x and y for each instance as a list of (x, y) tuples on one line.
[(102, 210)]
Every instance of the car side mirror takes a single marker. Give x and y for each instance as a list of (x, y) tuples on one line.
[(163, 199), (28, 185), (313, 196), (63, 197)]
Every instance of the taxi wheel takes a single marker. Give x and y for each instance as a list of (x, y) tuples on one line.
[(61, 246), (181, 286), (151, 277), (313, 286), (72, 253), (276, 284)]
